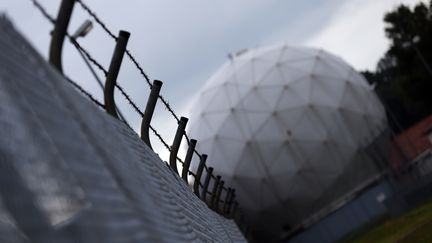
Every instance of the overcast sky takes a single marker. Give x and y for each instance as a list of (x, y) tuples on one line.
[(183, 42)]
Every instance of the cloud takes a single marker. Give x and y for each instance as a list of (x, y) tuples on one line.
[(184, 42), (356, 32)]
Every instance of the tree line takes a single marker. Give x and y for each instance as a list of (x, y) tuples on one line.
[(403, 77)]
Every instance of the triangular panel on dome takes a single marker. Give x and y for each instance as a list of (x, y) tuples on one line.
[(230, 94), (292, 53), (319, 182), (248, 165), (309, 127), (237, 93), (289, 118), (284, 182), (330, 87), (289, 99), (205, 146), (272, 78), (233, 149), (201, 128), (355, 124), (225, 154), (269, 151), (271, 130), (244, 73), (334, 125), (215, 99), (354, 98), (287, 161), (217, 156), (305, 66), (215, 119), (233, 127), (245, 192), (342, 69), (345, 153), (302, 88), (291, 74), (261, 68), (325, 160), (254, 102), (255, 120), (269, 196), (270, 94), (306, 150), (324, 92), (269, 54), (303, 188)]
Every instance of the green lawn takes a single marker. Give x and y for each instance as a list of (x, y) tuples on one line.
[(413, 226)]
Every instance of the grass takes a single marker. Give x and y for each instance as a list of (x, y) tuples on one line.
[(413, 226)]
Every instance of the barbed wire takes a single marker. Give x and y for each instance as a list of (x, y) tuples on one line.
[(124, 94), (137, 65), (68, 79), (91, 13), (43, 11), (129, 54), (82, 90)]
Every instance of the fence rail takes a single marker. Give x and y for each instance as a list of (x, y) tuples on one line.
[(226, 205)]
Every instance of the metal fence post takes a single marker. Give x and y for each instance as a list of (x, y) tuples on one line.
[(234, 209), (113, 72), (176, 143), (149, 110), (188, 159), (214, 191), (59, 33), (226, 202), (218, 195), (206, 184), (199, 174), (230, 202)]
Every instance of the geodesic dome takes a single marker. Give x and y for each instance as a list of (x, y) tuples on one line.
[(287, 127)]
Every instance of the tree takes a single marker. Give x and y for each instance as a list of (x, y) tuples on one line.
[(403, 77)]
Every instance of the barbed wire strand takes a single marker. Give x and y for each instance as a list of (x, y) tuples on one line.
[(137, 65), (43, 11), (73, 83), (101, 68), (95, 76), (129, 54), (83, 91), (102, 24)]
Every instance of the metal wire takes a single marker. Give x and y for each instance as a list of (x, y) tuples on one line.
[(91, 13), (83, 91), (105, 72), (43, 11)]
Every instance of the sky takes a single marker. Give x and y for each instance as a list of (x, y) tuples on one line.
[(184, 42)]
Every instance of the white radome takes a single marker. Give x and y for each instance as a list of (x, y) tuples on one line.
[(285, 126)]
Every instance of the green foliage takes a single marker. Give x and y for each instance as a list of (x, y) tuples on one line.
[(403, 77)]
